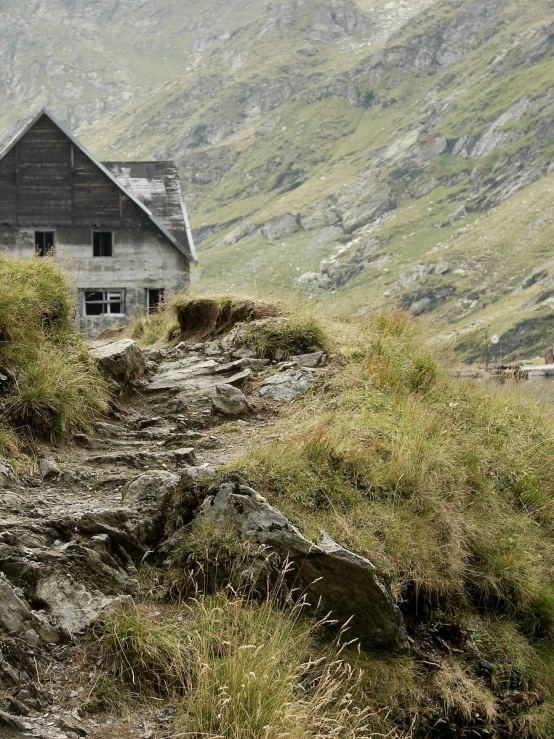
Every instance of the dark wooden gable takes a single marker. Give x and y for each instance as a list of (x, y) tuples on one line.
[(47, 181)]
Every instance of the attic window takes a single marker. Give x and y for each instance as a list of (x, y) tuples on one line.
[(102, 243), (44, 243), (104, 302)]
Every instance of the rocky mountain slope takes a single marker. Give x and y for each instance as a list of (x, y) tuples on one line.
[(399, 512), (351, 150)]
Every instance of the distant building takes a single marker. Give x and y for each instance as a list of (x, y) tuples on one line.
[(120, 229)]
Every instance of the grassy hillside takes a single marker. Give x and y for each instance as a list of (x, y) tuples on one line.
[(446, 487), (386, 149), (340, 149)]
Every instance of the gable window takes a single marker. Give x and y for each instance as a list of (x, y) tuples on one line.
[(104, 302), (102, 243), (44, 243)]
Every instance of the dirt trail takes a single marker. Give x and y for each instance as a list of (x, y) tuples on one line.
[(69, 542)]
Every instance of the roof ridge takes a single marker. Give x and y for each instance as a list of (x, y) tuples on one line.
[(25, 124)]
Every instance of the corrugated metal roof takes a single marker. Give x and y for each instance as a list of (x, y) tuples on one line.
[(179, 234), (158, 187)]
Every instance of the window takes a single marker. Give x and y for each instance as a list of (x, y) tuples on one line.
[(44, 243), (104, 302), (155, 299), (102, 243)]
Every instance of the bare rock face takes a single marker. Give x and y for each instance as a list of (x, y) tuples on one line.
[(230, 401), (120, 360), (17, 619), (70, 603), (281, 226), (150, 496), (344, 583), (287, 385)]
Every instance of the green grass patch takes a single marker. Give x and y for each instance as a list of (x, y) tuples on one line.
[(446, 486), (236, 669), (52, 387), (160, 326), (285, 337)]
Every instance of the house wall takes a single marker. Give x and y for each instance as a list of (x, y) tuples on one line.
[(142, 259)]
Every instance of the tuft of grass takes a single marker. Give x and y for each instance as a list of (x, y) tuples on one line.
[(54, 387), (146, 655), (160, 326), (284, 337), (236, 669), (211, 557)]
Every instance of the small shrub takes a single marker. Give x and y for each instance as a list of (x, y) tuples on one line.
[(282, 338), (235, 668), (160, 326)]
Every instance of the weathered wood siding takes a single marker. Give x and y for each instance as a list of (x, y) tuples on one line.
[(46, 181), (43, 176)]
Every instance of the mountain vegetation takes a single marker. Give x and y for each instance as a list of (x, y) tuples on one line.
[(164, 608), (351, 165), (355, 151), (49, 386)]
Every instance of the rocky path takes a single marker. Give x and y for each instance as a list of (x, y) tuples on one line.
[(72, 537)]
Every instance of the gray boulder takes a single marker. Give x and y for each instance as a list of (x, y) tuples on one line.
[(230, 401), (150, 496), (287, 385), (71, 604), (7, 474), (343, 583), (281, 226), (121, 360), (49, 469), (314, 359), (16, 617)]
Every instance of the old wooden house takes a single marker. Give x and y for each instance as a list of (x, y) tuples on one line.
[(120, 229)]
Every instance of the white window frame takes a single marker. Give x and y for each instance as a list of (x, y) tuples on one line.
[(109, 297)]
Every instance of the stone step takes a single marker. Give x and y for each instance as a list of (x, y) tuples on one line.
[(144, 459)]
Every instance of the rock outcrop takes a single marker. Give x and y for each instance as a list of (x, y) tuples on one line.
[(73, 537), (336, 580), (288, 384), (120, 360)]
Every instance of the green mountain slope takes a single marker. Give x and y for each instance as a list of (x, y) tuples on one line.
[(351, 150)]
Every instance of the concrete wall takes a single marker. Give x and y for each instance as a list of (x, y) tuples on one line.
[(142, 259)]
